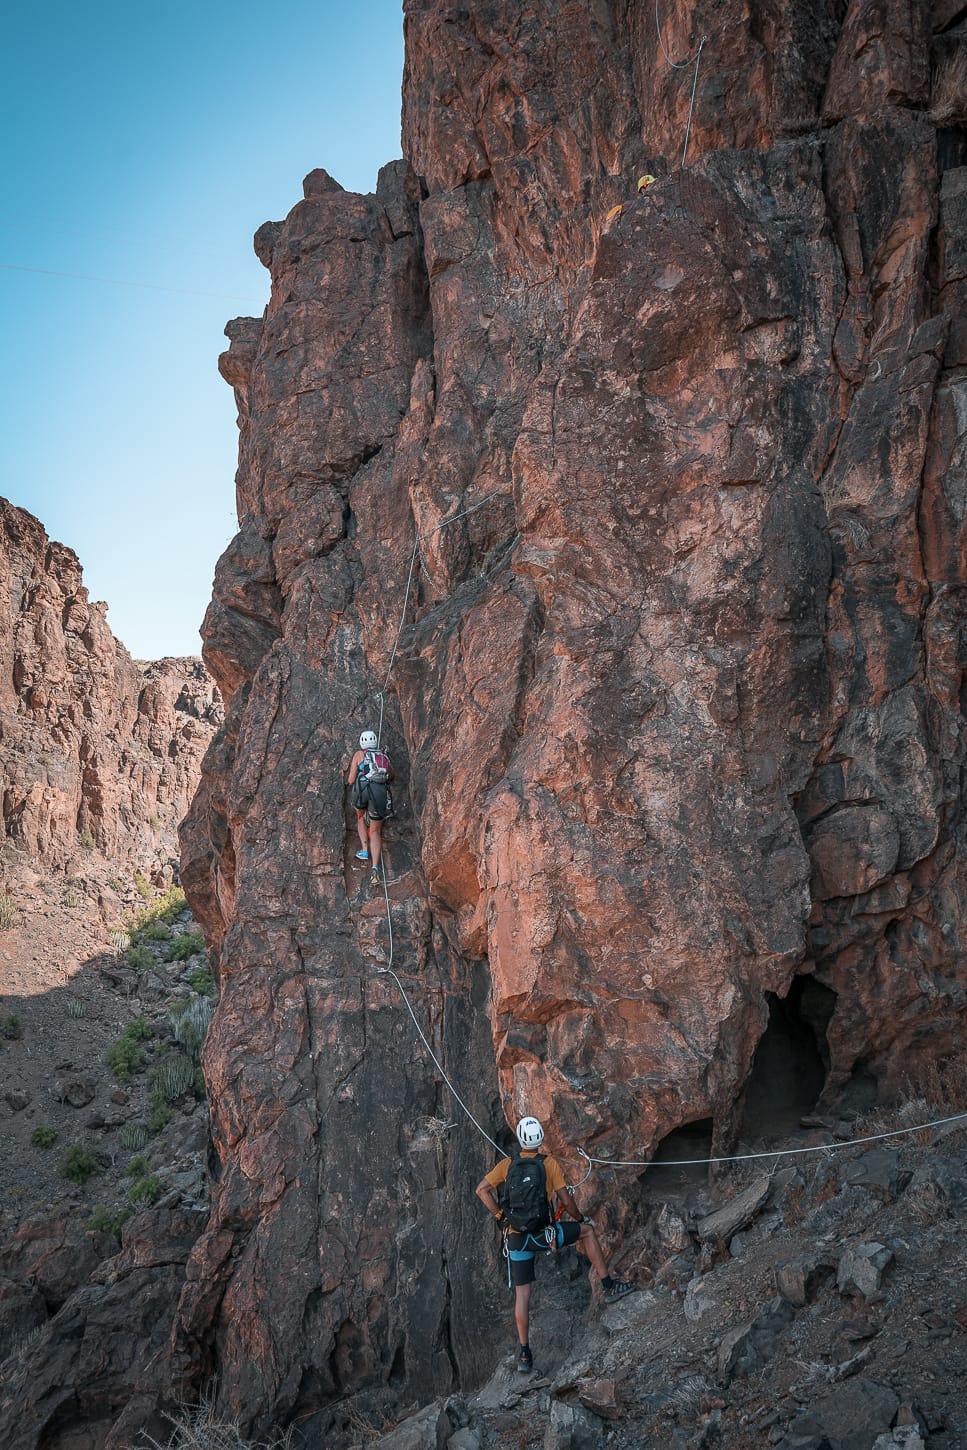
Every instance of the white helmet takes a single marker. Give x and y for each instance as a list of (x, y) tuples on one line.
[(367, 741), (530, 1134)]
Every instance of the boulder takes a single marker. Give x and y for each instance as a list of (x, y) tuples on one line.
[(570, 1427), (860, 1269), (735, 1214), (76, 1092), (749, 1346), (850, 1418), (798, 1280)]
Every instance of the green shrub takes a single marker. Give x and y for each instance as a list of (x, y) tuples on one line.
[(202, 981), (86, 838), (133, 1136), (76, 1007), (103, 1221), (79, 1164), (142, 885), (44, 1136), (159, 1117), (154, 931), (163, 908), (140, 958), (137, 1166), (125, 1056), (146, 1190), (8, 911), (11, 1027), (189, 944)]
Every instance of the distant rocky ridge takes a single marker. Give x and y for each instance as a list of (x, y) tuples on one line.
[(98, 752)]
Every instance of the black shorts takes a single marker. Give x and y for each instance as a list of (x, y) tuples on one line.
[(372, 796), (522, 1250)]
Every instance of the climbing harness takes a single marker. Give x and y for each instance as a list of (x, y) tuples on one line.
[(545, 1240)]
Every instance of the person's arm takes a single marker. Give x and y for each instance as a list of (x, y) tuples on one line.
[(391, 773), (570, 1207), (354, 766), (488, 1198)]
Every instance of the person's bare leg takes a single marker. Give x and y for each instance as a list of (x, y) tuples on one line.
[(361, 828), (588, 1245), (522, 1308), (376, 842)]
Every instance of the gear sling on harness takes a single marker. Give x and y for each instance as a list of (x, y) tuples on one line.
[(551, 1237)]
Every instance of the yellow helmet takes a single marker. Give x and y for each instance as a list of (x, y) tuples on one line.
[(645, 181)]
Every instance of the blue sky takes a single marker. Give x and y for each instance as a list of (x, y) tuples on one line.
[(145, 145)]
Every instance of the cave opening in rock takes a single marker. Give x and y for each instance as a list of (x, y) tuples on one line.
[(791, 1060), (671, 1175), (951, 147)]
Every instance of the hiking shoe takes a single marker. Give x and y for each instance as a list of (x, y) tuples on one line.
[(362, 855), (525, 1360), (374, 879), (618, 1290)]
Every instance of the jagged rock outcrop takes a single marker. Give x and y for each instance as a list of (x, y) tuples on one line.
[(97, 751), (677, 715)]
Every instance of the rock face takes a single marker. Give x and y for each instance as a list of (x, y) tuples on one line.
[(676, 713), (97, 751)]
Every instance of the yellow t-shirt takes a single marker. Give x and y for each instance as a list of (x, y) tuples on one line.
[(552, 1172)]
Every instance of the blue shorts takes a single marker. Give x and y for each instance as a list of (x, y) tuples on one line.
[(522, 1250)]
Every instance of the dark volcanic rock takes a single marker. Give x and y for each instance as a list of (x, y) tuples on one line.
[(96, 1373)]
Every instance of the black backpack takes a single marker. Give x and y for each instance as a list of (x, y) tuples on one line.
[(525, 1195)]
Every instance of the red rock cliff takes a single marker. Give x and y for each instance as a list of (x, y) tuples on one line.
[(677, 712), (97, 751)]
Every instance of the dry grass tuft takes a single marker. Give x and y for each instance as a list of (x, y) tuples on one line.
[(925, 1204), (690, 1393), (436, 1127), (938, 1089), (8, 910), (948, 96), (795, 1206), (827, 1189), (199, 1427)]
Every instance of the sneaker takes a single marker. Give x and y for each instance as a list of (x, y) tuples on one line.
[(619, 1288), (362, 855), (525, 1360), (374, 879)]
